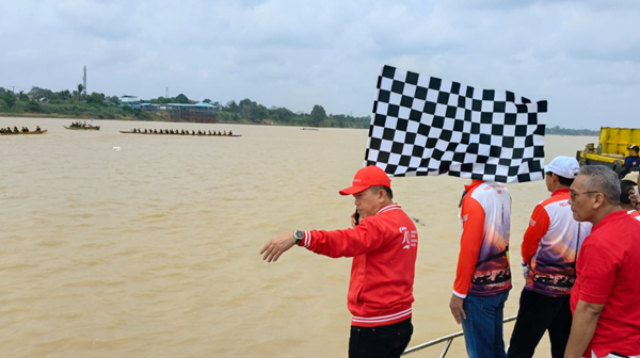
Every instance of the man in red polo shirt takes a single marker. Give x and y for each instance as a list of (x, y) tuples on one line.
[(384, 246), (606, 296)]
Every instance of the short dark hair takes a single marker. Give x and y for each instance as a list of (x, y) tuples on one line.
[(562, 180), (625, 187), (386, 189)]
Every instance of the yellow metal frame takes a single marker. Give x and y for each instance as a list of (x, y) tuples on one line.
[(617, 141), (600, 158)]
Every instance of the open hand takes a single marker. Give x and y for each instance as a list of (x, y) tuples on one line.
[(456, 308), (277, 246)]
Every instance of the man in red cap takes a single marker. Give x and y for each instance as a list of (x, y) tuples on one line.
[(384, 247)]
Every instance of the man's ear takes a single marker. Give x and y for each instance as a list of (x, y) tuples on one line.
[(600, 201)]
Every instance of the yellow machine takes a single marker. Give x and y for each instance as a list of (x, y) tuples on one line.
[(612, 147)]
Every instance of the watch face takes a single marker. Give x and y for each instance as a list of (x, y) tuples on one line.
[(298, 234)]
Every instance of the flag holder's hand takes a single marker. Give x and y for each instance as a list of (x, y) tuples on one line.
[(456, 308), (277, 246), (633, 197)]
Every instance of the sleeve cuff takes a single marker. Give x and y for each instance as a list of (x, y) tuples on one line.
[(459, 294), (306, 240)]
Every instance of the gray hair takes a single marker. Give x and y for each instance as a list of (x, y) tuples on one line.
[(604, 180)]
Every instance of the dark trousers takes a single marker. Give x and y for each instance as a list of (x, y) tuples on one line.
[(380, 342), (537, 314)]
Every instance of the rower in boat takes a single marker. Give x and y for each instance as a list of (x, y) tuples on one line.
[(38, 129), (230, 133), (15, 129)]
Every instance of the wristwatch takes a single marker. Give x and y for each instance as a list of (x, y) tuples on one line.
[(298, 235)]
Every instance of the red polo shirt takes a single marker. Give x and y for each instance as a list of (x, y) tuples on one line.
[(609, 273)]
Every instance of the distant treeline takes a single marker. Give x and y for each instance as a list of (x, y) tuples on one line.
[(566, 131), (79, 104)]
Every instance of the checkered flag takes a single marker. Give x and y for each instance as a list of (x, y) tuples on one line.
[(427, 126)]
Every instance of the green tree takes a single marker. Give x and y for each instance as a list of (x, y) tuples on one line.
[(206, 100), (281, 114), (64, 95), (259, 112), (317, 116), (34, 106), (9, 99), (182, 98), (246, 108), (23, 96), (232, 107), (80, 89), (96, 98)]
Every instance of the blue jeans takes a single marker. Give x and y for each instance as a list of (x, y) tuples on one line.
[(483, 326)]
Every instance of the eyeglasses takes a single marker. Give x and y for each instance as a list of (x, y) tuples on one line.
[(573, 195)]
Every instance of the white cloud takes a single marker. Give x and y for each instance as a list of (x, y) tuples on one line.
[(582, 56)]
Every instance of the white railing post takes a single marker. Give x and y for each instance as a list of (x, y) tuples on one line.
[(448, 339)]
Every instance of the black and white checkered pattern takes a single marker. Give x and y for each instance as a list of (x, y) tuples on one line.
[(428, 126)]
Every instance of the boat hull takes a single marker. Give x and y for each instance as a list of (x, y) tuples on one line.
[(83, 128), (34, 132), (180, 134)]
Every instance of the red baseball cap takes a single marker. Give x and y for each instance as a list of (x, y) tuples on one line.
[(365, 178)]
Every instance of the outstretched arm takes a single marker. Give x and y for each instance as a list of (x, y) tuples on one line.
[(277, 246)]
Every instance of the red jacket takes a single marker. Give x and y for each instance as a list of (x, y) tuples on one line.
[(384, 249)]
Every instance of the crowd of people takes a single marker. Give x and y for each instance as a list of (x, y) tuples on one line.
[(581, 265), (182, 132), (82, 124), (15, 130)]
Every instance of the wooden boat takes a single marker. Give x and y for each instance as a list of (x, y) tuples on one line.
[(310, 129), (180, 134), (96, 128), (34, 132)]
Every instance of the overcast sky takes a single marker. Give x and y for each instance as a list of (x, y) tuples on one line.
[(582, 56)]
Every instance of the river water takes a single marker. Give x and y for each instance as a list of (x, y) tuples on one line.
[(152, 250)]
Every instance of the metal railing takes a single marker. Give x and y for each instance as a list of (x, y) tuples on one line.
[(448, 339)]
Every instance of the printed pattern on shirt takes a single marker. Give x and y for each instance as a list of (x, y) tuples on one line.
[(484, 270), (551, 270)]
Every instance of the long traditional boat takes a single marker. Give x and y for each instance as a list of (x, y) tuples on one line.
[(185, 134), (34, 132), (96, 128)]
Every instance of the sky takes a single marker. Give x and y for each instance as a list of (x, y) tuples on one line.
[(581, 56)]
